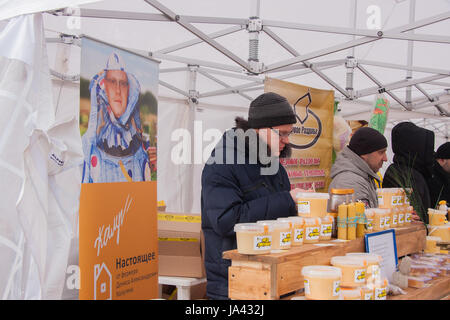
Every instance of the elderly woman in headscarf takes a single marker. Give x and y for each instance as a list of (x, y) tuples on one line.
[(113, 145)]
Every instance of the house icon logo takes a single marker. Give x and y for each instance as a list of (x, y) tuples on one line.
[(102, 283)]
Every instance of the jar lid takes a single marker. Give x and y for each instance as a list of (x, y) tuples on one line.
[(321, 272), (445, 226), (380, 211), (285, 220), (433, 238), (313, 195), (342, 191), (369, 257), (252, 227), (351, 293), (349, 261), (369, 212), (275, 224), (434, 211)]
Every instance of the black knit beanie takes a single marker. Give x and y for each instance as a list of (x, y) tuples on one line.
[(443, 152), (367, 140), (270, 110)]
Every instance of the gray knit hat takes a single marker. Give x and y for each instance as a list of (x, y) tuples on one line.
[(270, 110)]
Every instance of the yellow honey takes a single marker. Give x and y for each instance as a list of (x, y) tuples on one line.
[(387, 218), (442, 232), (367, 293), (373, 262), (321, 282), (326, 228), (312, 230), (379, 289), (297, 229), (353, 270), (379, 219), (281, 234), (312, 204), (394, 217), (401, 217), (253, 238), (369, 213)]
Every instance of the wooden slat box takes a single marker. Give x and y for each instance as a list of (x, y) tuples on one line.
[(270, 276)]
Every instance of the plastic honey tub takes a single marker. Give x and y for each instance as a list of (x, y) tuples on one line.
[(378, 219), (408, 214), (353, 270), (394, 217), (312, 230), (253, 238), (369, 214), (281, 234), (322, 282), (387, 218), (352, 293), (442, 232), (312, 204), (297, 229), (373, 262), (379, 289), (437, 217), (401, 217), (326, 228), (388, 197)]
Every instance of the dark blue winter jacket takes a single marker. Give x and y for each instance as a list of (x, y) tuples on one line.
[(237, 193)]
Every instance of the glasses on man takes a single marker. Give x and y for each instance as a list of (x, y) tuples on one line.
[(121, 83), (282, 134)]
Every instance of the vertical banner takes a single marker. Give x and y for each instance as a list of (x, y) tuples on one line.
[(312, 138), (118, 252), (118, 241)]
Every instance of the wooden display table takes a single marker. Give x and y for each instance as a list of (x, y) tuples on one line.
[(439, 289), (270, 276)]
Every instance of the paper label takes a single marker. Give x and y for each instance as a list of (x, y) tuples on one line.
[(336, 288), (312, 233), (325, 229), (360, 275), (401, 218), (285, 239), (380, 200), (369, 224), (394, 219), (298, 235), (381, 222), (306, 284), (408, 217), (387, 222), (380, 293), (396, 200), (304, 206), (262, 243)]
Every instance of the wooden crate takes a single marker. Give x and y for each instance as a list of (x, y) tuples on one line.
[(270, 276)]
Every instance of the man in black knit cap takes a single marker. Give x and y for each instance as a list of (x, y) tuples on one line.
[(439, 183), (356, 166), (243, 181)]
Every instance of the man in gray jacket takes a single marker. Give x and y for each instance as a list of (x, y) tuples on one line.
[(357, 165)]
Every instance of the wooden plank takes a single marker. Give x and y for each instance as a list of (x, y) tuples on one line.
[(440, 288), (249, 283), (411, 242)]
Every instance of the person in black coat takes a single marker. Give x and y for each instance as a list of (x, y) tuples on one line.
[(439, 184), (413, 149), (243, 181)]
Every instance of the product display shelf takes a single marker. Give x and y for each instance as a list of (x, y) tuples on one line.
[(273, 275), (439, 289)]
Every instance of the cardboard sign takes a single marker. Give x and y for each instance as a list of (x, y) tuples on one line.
[(312, 138), (118, 252)]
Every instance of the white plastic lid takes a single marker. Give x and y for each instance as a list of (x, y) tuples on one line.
[(369, 212), (312, 221), (380, 211), (369, 257), (433, 238), (274, 223), (293, 220), (313, 195), (251, 227), (445, 226), (326, 219), (321, 272), (349, 261)]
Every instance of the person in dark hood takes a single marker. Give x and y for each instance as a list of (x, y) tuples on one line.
[(439, 184), (243, 181), (413, 149)]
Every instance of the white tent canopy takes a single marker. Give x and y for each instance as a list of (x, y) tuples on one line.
[(216, 54)]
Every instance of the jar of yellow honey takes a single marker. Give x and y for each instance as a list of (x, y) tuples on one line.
[(373, 262), (281, 235), (253, 238), (321, 282), (312, 204), (312, 230), (351, 293), (353, 270), (326, 227), (298, 229)]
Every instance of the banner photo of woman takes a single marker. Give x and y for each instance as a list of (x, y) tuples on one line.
[(118, 114)]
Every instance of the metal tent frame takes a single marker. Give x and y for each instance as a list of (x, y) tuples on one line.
[(252, 71)]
